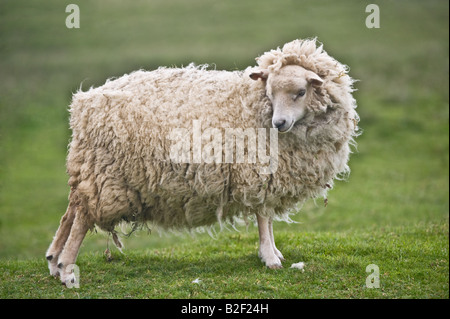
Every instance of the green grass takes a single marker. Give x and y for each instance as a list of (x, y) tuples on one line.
[(393, 210), (413, 263)]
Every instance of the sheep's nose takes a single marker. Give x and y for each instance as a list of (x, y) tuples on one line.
[(279, 123)]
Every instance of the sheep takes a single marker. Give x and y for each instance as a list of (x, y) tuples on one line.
[(135, 157)]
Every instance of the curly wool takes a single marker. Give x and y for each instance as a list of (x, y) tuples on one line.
[(119, 159), (307, 54)]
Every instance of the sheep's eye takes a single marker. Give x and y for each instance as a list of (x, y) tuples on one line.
[(300, 94)]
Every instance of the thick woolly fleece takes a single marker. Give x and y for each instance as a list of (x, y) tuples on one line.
[(120, 164)]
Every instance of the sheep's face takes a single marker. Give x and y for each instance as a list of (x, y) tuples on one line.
[(289, 90)]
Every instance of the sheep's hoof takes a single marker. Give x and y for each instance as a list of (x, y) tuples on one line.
[(273, 263), (279, 255), (270, 259), (54, 270), (275, 266), (69, 280)]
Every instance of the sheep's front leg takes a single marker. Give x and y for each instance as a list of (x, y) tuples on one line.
[(268, 253), (69, 254), (59, 240), (276, 251)]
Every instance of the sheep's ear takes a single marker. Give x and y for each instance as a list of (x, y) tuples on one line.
[(263, 75), (314, 79)]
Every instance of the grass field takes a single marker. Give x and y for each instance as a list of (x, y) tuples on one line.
[(393, 211)]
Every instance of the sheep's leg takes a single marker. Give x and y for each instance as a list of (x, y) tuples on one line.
[(69, 254), (60, 239), (275, 249), (266, 245)]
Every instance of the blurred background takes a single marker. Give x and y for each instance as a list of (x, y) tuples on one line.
[(399, 171)]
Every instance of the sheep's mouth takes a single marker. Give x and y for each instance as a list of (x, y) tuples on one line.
[(284, 131)]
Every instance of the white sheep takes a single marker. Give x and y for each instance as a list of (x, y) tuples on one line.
[(158, 147)]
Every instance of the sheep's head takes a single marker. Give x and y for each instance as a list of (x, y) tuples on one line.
[(290, 89)]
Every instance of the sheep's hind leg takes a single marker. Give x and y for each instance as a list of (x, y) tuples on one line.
[(267, 252), (69, 254), (60, 239)]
